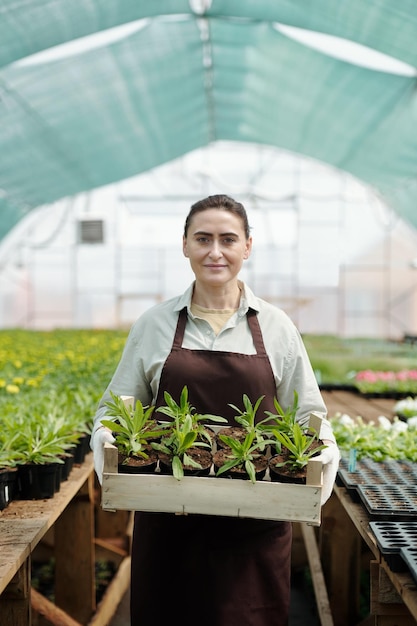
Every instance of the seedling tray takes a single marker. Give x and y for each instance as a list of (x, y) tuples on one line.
[(212, 495), (393, 540), (389, 501), (369, 472)]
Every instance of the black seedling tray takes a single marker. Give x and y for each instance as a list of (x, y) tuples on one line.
[(393, 538), (369, 472), (390, 502)]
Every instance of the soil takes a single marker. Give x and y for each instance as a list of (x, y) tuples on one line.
[(128, 464), (237, 432), (199, 455), (285, 473)]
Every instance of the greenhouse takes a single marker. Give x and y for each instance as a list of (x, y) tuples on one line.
[(117, 118)]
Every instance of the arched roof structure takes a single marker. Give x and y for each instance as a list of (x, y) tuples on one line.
[(95, 92)]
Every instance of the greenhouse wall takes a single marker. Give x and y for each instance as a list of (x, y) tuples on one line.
[(337, 264)]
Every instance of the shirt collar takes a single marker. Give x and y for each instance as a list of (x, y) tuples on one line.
[(247, 300)]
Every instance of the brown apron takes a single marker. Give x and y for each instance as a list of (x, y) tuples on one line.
[(209, 570)]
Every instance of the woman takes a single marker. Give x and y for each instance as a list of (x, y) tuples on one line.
[(221, 341)]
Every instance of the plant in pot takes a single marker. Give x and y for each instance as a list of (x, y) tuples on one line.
[(293, 451), (185, 448), (134, 429), (283, 420), (9, 458), (41, 455), (246, 424), (181, 411), (243, 459)]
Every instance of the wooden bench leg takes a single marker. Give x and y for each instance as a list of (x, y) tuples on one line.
[(319, 585), (340, 549), (386, 605), (15, 600), (75, 556)]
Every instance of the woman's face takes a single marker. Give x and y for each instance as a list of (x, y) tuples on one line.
[(216, 246)]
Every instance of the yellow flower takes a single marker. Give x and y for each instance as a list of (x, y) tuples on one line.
[(2, 382), (18, 380), (12, 388)]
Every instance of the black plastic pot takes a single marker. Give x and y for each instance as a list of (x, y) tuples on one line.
[(7, 486), (36, 482), (81, 449), (67, 467)]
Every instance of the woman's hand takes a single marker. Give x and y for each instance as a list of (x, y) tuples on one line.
[(101, 436), (330, 458)]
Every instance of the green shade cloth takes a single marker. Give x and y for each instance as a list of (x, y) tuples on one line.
[(182, 81)]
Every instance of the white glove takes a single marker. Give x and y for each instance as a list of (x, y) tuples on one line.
[(101, 436), (330, 458)]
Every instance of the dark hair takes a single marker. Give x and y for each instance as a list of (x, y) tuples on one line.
[(221, 202)]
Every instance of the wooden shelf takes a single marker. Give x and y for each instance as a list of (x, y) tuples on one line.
[(71, 515), (344, 530)]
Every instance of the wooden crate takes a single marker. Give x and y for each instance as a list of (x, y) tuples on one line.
[(211, 495)]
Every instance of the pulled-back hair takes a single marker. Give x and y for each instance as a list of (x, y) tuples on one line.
[(223, 203)]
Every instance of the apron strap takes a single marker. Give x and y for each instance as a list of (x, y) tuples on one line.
[(179, 332), (256, 332)]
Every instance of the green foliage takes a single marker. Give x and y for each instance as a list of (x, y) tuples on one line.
[(180, 438), (134, 426), (52, 380), (185, 430), (284, 419), (9, 455), (247, 419), (241, 454), (184, 409), (370, 440), (40, 444), (62, 374), (335, 359), (299, 444)]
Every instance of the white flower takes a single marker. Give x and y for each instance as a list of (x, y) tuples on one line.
[(346, 420), (384, 422), (412, 422), (407, 407), (399, 426)]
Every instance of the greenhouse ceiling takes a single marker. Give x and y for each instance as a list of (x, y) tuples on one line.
[(96, 91)]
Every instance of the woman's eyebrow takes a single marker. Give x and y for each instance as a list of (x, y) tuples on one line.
[(202, 232)]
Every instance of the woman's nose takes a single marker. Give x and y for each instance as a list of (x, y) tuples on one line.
[(215, 251)]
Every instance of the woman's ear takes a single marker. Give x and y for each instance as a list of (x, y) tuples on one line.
[(248, 248), (184, 246)]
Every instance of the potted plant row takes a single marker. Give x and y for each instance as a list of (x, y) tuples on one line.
[(37, 452)]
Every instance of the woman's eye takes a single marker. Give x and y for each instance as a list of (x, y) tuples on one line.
[(202, 239), (229, 240)]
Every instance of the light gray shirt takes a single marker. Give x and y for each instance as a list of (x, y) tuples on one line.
[(150, 341)]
